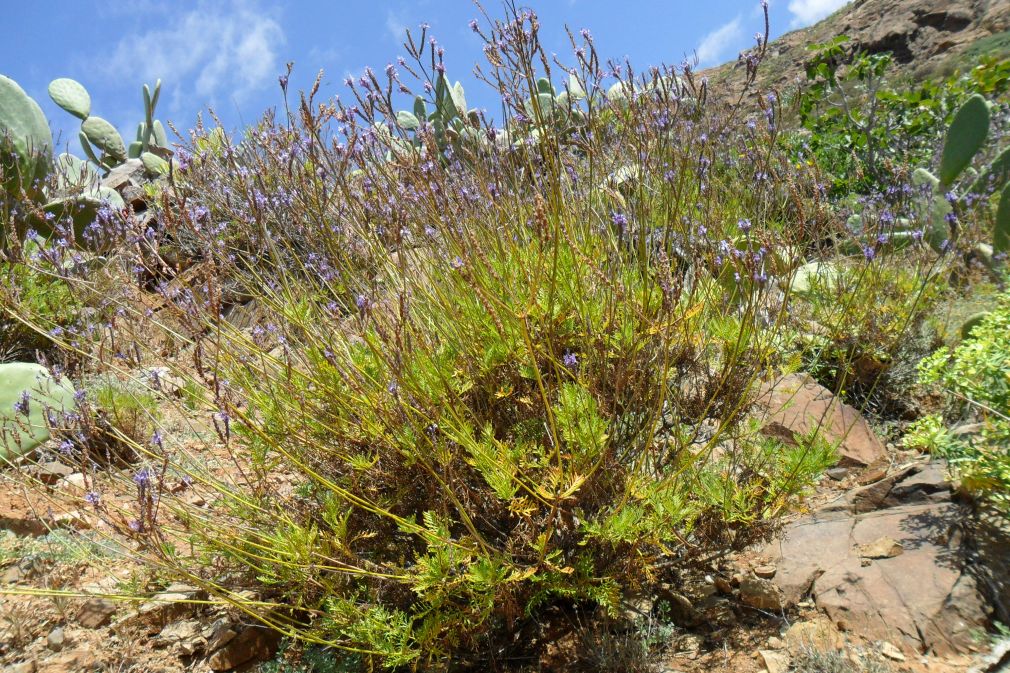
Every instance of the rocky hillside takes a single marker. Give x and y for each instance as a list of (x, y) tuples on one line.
[(927, 37)]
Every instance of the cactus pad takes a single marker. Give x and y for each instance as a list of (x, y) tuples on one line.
[(1001, 232), (27, 391), (104, 135), (965, 137), (26, 132), (71, 96)]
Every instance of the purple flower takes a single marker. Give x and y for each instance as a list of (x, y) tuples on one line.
[(92, 498), (869, 253), (457, 263), (619, 219), (473, 25), (142, 478), (744, 224), (21, 405), (570, 359), (361, 302)]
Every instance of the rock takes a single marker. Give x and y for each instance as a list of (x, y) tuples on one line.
[(891, 652), (23, 570), (837, 473), (21, 667), (689, 644), (253, 643), (795, 406), (723, 585), (11, 575), (74, 484), (929, 35), (760, 593), (775, 643), (924, 599), (74, 519), (51, 472), (681, 611), (765, 572), (131, 170), (165, 607), (186, 633), (56, 639), (72, 661), (884, 547), (95, 613), (245, 316), (163, 380), (873, 473), (135, 196), (219, 634), (775, 662), (818, 634)]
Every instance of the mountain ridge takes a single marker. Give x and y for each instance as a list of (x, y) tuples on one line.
[(926, 37)]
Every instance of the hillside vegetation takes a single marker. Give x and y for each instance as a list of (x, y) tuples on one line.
[(418, 391)]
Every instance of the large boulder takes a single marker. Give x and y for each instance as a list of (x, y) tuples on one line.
[(796, 406), (922, 599)]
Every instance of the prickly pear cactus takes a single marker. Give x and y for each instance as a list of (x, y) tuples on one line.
[(1001, 232), (153, 164), (993, 176), (104, 136), (71, 96), (25, 138), (27, 393), (965, 137)]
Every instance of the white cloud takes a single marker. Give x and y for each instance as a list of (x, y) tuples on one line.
[(396, 27), (219, 49), (718, 44), (806, 12)]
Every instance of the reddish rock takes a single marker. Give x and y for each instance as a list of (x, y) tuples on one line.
[(923, 599), (760, 593), (795, 406), (253, 643), (96, 612)]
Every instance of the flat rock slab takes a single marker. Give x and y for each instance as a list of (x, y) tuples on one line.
[(922, 600), (795, 406)]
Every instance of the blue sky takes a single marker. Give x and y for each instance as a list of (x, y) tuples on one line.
[(227, 54)]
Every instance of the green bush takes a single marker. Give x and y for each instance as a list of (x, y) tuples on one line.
[(975, 375), (861, 329), (31, 290), (503, 376), (865, 128)]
